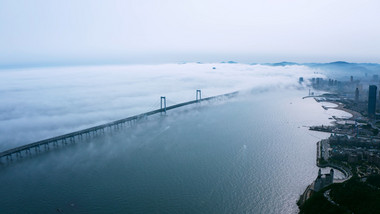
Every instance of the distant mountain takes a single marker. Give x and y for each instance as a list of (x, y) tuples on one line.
[(345, 69), (283, 63), (339, 63), (229, 62), (340, 66)]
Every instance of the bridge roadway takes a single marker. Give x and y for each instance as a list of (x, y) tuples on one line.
[(8, 154)]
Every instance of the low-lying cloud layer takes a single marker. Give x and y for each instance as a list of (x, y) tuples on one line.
[(40, 103)]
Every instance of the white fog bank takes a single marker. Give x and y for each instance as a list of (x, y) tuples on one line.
[(40, 103)]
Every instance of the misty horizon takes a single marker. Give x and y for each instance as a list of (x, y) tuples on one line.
[(113, 62), (90, 32)]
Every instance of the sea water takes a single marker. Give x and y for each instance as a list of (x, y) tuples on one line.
[(250, 154)]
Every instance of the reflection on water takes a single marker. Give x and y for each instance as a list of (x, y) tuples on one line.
[(253, 154)]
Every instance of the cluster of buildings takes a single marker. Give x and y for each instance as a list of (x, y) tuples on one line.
[(353, 90), (354, 150)]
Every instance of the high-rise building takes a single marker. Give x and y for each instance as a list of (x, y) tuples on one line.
[(357, 95), (352, 78), (372, 100)]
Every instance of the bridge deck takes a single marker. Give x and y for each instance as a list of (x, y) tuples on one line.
[(10, 152)]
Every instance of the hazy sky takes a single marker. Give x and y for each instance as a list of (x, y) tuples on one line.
[(49, 31)]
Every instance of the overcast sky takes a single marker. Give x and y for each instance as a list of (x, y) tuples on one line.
[(147, 31)]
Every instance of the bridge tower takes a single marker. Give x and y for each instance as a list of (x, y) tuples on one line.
[(198, 95), (163, 104)]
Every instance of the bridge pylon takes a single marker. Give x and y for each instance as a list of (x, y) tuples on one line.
[(198, 96), (163, 104)]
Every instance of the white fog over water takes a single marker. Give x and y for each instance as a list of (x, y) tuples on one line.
[(39, 103)]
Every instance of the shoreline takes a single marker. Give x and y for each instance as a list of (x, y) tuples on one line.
[(340, 107), (348, 174)]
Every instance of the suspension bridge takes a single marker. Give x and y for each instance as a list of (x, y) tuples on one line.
[(55, 142)]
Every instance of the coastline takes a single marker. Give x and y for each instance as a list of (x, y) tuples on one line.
[(348, 174)]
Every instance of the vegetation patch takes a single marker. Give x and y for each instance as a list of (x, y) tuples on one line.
[(358, 196)]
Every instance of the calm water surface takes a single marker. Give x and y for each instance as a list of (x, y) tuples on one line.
[(252, 154)]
